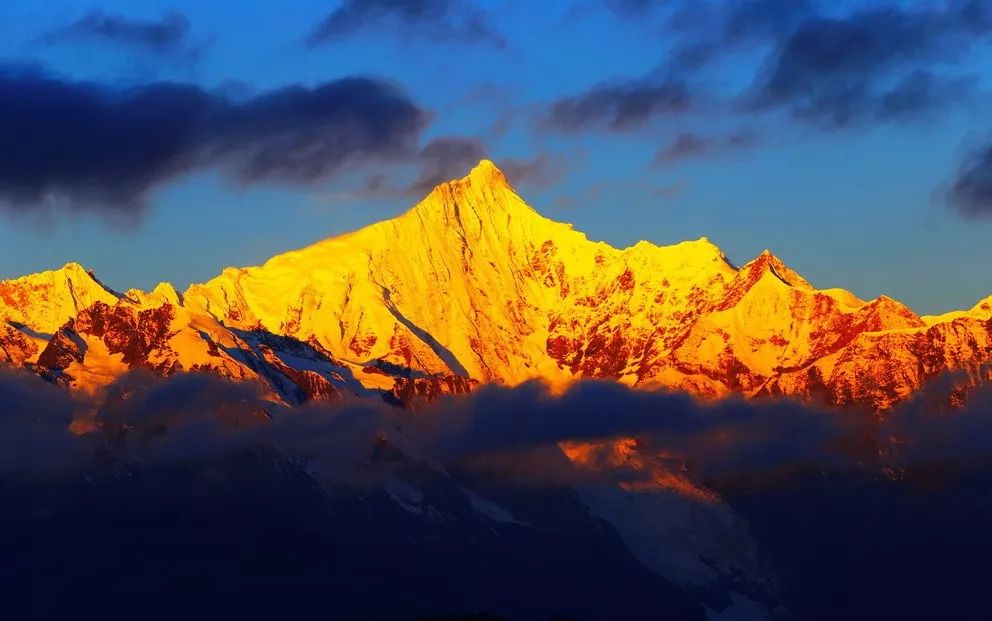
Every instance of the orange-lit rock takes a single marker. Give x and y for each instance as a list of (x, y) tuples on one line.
[(472, 285)]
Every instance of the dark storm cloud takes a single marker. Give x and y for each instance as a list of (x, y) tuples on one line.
[(879, 64), (874, 64), (619, 106), (689, 146), (971, 190), (86, 146), (438, 20), (702, 32), (168, 35)]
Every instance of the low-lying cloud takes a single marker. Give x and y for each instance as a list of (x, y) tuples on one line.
[(813, 484), (34, 427), (189, 415), (192, 419)]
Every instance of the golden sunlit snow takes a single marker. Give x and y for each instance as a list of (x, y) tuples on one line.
[(473, 282)]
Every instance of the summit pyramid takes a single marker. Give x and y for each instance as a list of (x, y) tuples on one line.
[(472, 285)]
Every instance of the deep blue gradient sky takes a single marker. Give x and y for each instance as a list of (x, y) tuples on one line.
[(837, 135)]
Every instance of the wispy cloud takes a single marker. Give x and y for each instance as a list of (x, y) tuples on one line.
[(689, 145), (874, 64), (619, 106), (877, 64), (168, 36), (970, 192), (436, 20), (443, 159)]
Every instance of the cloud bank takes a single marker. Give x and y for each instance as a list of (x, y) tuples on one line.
[(814, 484), (874, 64), (822, 65), (713, 439), (89, 147)]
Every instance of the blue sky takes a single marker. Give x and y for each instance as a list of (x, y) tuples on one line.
[(802, 154)]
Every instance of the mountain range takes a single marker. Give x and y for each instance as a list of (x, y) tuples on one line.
[(473, 286)]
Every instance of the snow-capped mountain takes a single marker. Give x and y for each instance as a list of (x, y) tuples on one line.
[(472, 285)]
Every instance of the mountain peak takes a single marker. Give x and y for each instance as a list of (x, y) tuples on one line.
[(163, 293), (73, 268), (768, 262), (486, 173), (80, 274), (474, 285), (484, 192), (46, 300)]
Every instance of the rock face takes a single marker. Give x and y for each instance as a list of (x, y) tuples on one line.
[(472, 285)]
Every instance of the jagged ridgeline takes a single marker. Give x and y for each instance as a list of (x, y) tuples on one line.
[(471, 286)]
